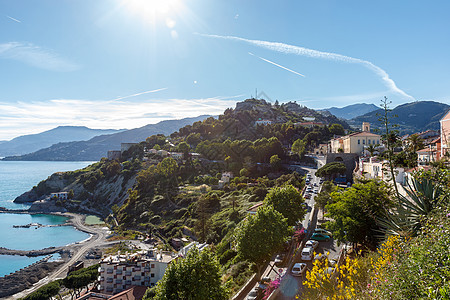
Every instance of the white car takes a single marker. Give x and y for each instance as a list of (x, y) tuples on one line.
[(312, 244), (307, 253), (298, 269)]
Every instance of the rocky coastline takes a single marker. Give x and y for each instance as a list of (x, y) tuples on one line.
[(26, 277)]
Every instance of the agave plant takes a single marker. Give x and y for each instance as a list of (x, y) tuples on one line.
[(422, 197)]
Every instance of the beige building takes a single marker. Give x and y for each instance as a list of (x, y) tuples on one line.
[(120, 272), (356, 142), (445, 134)]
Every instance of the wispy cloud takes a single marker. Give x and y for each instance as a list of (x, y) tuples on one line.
[(25, 118), (36, 56), (139, 94), (14, 19), (297, 50), (275, 64)]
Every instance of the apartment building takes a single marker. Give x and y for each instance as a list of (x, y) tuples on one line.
[(120, 272)]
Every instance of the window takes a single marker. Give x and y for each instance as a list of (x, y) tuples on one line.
[(378, 142), (368, 142), (359, 142), (364, 142), (152, 275)]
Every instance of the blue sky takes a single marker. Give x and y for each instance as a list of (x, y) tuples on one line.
[(128, 63)]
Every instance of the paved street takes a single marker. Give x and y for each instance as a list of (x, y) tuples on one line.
[(292, 285)]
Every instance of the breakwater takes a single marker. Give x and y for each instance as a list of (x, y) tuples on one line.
[(31, 253), (26, 277)]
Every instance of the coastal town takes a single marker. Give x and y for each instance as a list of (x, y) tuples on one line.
[(131, 266), (224, 150)]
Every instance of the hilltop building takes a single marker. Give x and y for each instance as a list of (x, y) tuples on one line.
[(126, 146), (309, 124), (263, 122)]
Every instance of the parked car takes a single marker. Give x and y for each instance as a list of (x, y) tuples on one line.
[(307, 196), (279, 260), (320, 237), (298, 269), (307, 254), (323, 231), (316, 190), (312, 244)]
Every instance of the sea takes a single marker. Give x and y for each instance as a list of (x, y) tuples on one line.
[(17, 177)]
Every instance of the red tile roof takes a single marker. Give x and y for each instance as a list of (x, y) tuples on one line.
[(134, 293)]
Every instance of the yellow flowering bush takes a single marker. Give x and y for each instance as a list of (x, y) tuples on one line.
[(339, 282)]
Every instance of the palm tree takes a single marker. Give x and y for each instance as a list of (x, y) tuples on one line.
[(372, 149), (415, 143)]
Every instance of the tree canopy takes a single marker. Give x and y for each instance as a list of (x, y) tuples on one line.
[(197, 276), (356, 210), (260, 235), (288, 201), (331, 170)]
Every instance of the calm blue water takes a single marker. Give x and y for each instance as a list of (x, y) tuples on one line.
[(19, 177)]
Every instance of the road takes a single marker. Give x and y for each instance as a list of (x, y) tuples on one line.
[(97, 239), (292, 285)]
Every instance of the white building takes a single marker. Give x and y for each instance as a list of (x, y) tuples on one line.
[(120, 272), (60, 195), (186, 249), (226, 176), (263, 122), (374, 168), (176, 155)]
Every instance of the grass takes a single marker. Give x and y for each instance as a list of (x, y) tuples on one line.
[(93, 220)]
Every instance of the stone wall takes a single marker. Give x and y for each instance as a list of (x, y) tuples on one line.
[(348, 159)]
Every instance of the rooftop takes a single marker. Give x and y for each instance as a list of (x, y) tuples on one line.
[(148, 255)]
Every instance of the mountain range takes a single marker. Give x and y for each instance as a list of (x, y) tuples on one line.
[(351, 111), (411, 117), (98, 146), (32, 142)]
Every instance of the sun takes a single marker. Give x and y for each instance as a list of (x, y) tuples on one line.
[(152, 9)]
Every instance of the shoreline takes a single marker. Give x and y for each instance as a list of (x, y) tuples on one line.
[(96, 239)]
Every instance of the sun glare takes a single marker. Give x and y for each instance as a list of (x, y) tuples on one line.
[(152, 9)]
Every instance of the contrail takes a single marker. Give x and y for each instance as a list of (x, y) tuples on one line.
[(290, 49), (275, 64), (138, 94), (18, 21)]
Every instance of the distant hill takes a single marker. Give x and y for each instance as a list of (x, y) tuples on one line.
[(412, 117), (97, 147), (352, 111), (33, 142)]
